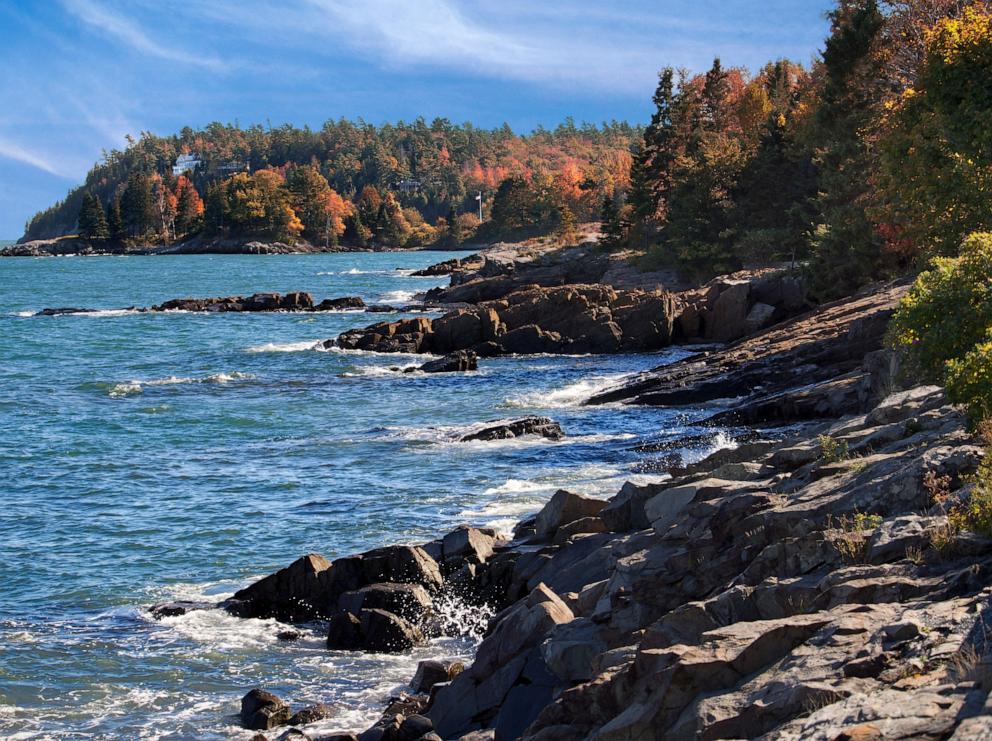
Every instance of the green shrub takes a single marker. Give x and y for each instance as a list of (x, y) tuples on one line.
[(944, 324), (969, 380), (832, 450)]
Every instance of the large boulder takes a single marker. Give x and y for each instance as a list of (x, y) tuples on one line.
[(431, 672), (261, 710), (339, 304), (297, 592), (372, 630), (565, 507), (409, 601), (727, 319), (404, 564), (508, 658), (541, 426)]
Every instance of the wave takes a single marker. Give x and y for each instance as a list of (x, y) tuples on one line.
[(397, 296), (129, 388), (405, 272), (302, 346), (376, 354), (572, 395)]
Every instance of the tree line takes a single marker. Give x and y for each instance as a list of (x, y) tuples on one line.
[(861, 167), (396, 185)]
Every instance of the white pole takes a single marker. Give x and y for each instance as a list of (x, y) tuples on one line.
[(479, 199)]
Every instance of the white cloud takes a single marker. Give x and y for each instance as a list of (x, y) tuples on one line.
[(116, 24), (14, 151)]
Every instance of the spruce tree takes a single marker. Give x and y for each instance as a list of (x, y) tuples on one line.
[(651, 173), (454, 227), (137, 206), (611, 224), (115, 222), (846, 249), (92, 222)]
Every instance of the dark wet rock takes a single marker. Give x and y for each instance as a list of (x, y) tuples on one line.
[(62, 311), (311, 714), (541, 426), (402, 564), (384, 632), (414, 727), (409, 601), (372, 630), (456, 362), (296, 593), (338, 304), (261, 710), (294, 734), (177, 608), (344, 633), (431, 672), (289, 635)]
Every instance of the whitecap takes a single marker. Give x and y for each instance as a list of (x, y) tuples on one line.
[(304, 345), (397, 296), (572, 395), (127, 388)]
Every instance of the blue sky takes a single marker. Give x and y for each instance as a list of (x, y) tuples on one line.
[(81, 74)]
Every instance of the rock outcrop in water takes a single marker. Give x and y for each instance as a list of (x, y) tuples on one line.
[(540, 426), (569, 319)]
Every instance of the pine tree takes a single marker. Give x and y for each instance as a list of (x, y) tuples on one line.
[(611, 224), (651, 172), (713, 111), (846, 249), (454, 235), (137, 205), (115, 222), (92, 222), (216, 209)]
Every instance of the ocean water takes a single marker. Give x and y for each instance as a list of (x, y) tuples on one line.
[(147, 457)]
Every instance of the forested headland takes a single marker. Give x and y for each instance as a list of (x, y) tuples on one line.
[(860, 166)]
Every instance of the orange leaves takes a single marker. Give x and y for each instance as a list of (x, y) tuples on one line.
[(337, 210)]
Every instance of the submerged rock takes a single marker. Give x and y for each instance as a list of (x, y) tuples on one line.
[(177, 608), (541, 426)]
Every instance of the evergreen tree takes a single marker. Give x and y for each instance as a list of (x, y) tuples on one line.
[(846, 249), (92, 222), (454, 235), (611, 224), (137, 205), (713, 109), (216, 209), (651, 172), (115, 222), (567, 227)]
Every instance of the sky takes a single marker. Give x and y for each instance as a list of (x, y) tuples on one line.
[(81, 75)]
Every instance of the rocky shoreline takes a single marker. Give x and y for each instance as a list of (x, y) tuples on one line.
[(801, 583), (64, 246)]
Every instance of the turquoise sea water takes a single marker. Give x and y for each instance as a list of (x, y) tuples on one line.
[(146, 457)]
